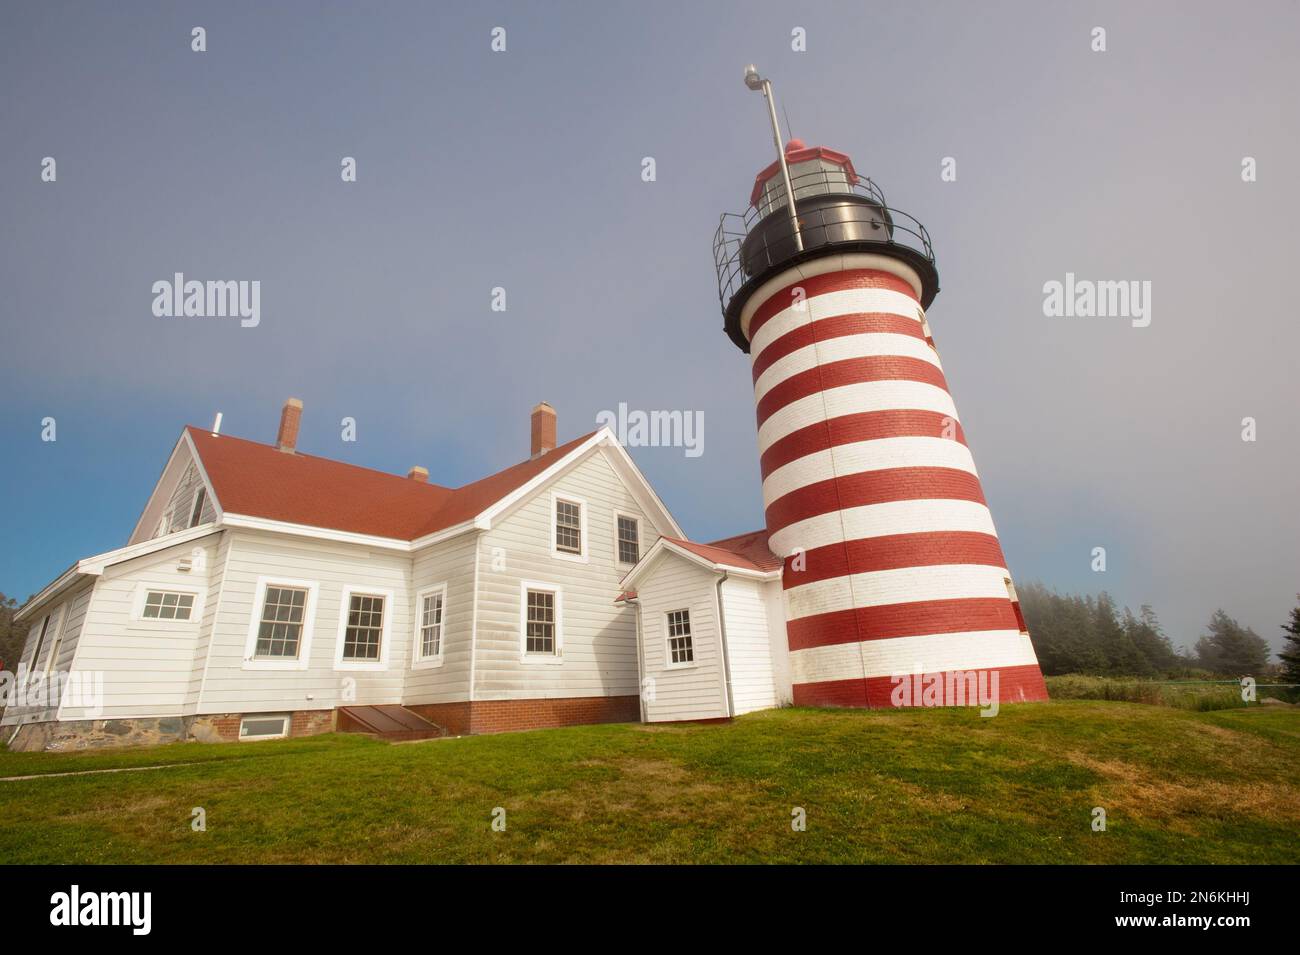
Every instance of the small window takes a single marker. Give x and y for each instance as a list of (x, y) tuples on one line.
[(568, 527), (540, 635), (680, 650), (165, 605), (431, 625), (365, 627), (263, 727), (925, 328), (279, 633), (196, 513), (629, 542), (164, 525), (1015, 605)]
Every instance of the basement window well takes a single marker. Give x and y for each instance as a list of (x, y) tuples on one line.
[(263, 727)]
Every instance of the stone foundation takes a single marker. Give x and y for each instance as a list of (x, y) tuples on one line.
[(54, 737)]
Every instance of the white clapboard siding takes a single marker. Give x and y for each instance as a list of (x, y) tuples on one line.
[(599, 655), (749, 645), (228, 687), (774, 597), (450, 563), (181, 505), (216, 577), (66, 621), (680, 693), (167, 493), (146, 666)]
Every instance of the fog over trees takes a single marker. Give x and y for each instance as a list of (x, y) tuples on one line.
[(1087, 634)]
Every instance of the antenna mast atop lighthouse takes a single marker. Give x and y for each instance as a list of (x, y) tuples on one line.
[(892, 564)]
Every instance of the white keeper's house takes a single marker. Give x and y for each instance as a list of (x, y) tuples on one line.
[(266, 592)]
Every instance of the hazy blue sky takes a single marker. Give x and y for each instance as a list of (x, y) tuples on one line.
[(522, 170)]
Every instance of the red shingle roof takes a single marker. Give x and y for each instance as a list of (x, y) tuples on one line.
[(258, 480), (748, 551)]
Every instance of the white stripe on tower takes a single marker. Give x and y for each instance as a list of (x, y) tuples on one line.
[(850, 399), (882, 520), (893, 562), (878, 455), (840, 349)]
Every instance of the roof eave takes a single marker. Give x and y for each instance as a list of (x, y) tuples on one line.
[(95, 565), (663, 545)]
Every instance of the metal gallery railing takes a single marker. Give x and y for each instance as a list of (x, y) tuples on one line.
[(748, 243)]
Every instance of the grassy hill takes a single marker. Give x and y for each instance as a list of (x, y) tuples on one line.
[(1178, 786)]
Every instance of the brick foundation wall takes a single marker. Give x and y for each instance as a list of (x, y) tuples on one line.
[(501, 716), (311, 722), (453, 717), (224, 727)]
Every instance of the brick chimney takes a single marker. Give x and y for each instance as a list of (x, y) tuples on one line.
[(290, 418), (543, 430), (418, 473)]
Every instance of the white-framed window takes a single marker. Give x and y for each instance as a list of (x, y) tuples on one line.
[(164, 525), (279, 631), (430, 625), (541, 623), (568, 527), (681, 651), (164, 605), (196, 510), (365, 628), (264, 726), (283, 619), (627, 538)]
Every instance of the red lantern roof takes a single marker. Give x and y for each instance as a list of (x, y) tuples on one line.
[(796, 152)]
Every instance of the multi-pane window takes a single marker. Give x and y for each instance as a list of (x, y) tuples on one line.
[(568, 527), (165, 605), (629, 543), (365, 627), (279, 633), (431, 625), (197, 511), (679, 637), (540, 635)]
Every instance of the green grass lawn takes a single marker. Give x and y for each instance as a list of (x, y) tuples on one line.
[(1178, 786)]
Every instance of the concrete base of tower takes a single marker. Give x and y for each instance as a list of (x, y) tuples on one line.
[(980, 687)]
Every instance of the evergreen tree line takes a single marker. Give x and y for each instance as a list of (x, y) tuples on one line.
[(1086, 634), (11, 635)]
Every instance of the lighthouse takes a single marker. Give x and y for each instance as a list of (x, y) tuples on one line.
[(893, 575)]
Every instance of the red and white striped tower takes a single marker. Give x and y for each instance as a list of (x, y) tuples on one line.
[(893, 566)]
